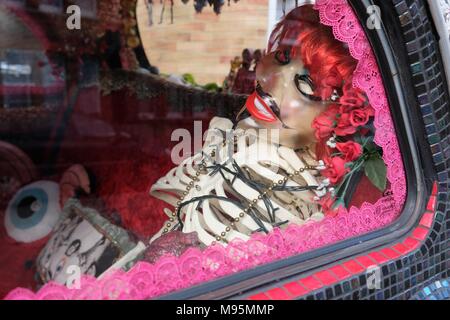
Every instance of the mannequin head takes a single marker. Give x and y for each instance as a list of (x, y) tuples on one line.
[(303, 68)]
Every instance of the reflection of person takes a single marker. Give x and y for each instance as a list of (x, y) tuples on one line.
[(85, 256), (73, 224), (61, 238), (92, 269), (73, 247)]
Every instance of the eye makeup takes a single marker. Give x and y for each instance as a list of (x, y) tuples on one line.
[(283, 57), (302, 80)]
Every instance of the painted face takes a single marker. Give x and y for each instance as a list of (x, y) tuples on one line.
[(285, 99)]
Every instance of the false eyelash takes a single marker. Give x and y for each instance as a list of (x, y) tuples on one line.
[(307, 79)]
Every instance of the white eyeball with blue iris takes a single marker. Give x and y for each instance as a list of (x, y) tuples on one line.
[(33, 211)]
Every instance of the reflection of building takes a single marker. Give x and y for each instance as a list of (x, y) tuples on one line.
[(51, 6), (88, 7), (17, 3), (202, 44), (441, 12), (278, 8), (60, 97), (27, 79)]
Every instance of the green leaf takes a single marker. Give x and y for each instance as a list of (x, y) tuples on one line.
[(376, 171), (358, 139), (371, 147), (211, 87), (349, 164), (189, 78)]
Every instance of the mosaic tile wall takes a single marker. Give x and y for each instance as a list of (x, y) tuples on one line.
[(439, 290), (413, 265)]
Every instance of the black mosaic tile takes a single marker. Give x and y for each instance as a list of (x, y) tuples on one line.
[(329, 293), (320, 296), (401, 7), (338, 290), (405, 19)]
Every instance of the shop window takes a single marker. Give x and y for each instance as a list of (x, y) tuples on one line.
[(179, 184)]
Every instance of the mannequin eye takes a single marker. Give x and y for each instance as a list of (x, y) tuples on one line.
[(305, 86), (33, 211), (283, 57)]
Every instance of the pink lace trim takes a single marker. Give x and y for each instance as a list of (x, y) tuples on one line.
[(346, 28), (146, 280)]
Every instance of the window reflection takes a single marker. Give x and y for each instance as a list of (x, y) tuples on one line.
[(296, 158)]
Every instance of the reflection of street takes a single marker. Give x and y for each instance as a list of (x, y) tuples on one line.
[(201, 44)]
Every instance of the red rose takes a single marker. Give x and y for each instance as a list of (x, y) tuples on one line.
[(360, 117), (335, 169), (322, 150), (327, 204), (352, 97), (324, 123), (332, 81), (344, 125), (350, 150)]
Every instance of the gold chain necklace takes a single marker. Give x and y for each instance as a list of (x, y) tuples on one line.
[(202, 169)]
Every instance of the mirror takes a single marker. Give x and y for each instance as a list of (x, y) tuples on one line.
[(200, 46)]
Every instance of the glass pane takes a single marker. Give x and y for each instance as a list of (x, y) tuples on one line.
[(182, 150)]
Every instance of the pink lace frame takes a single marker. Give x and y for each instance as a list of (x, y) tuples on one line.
[(169, 274)]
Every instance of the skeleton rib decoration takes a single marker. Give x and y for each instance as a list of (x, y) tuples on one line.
[(246, 182), (242, 185)]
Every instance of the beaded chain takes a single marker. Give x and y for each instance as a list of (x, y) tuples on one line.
[(202, 169)]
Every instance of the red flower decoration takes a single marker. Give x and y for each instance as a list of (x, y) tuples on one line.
[(359, 117), (350, 150), (344, 126), (353, 97), (325, 123), (328, 84), (335, 170), (327, 204)]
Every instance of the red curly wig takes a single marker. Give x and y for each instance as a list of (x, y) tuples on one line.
[(328, 60), (330, 67)]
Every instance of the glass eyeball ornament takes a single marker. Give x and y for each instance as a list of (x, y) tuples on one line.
[(33, 212)]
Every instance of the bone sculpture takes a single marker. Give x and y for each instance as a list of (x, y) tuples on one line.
[(225, 195)]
